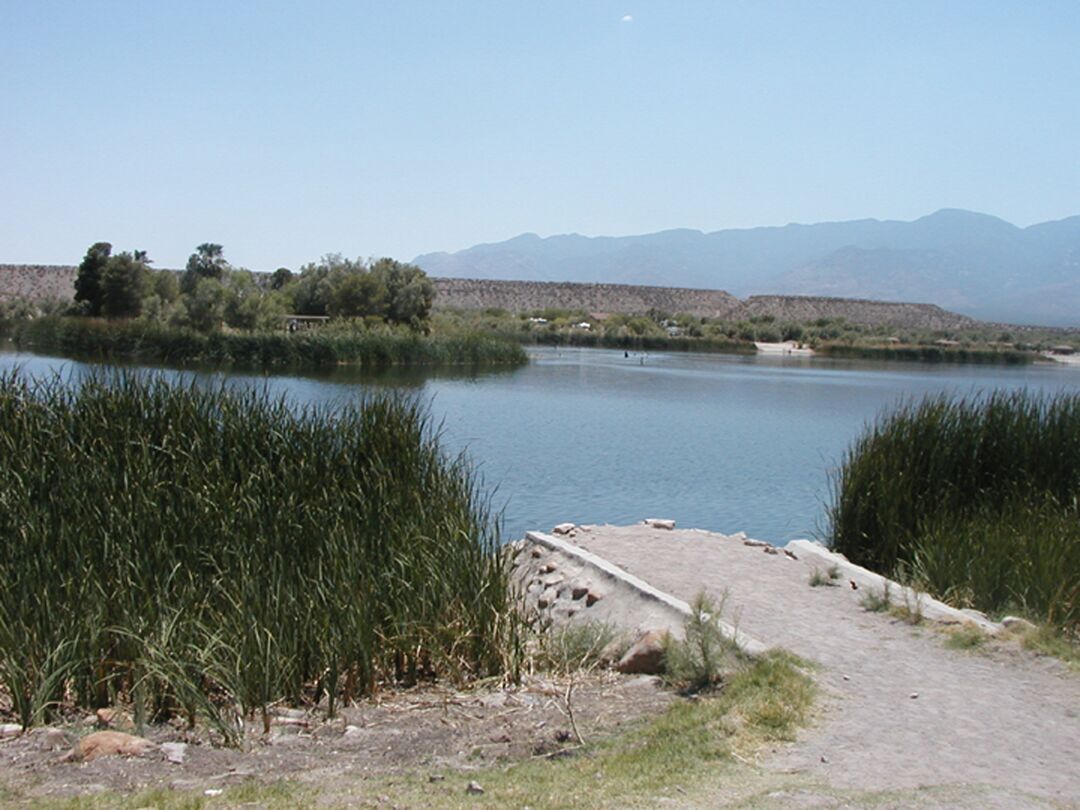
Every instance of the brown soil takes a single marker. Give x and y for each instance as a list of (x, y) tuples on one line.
[(433, 729)]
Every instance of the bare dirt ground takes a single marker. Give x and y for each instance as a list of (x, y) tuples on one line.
[(901, 711), (438, 731)]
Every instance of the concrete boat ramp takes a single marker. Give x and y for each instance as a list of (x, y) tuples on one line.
[(995, 727)]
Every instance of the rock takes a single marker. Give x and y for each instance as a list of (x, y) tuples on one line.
[(110, 743), (579, 592), (645, 656), (8, 730), (660, 523), (436, 777), (592, 597), (353, 731), (174, 752), (770, 550), (546, 599), (564, 528), (755, 543), (552, 581), (1018, 623), (913, 695), (213, 792), (790, 554), (474, 789), (738, 536), (537, 554), (975, 614), (548, 568)]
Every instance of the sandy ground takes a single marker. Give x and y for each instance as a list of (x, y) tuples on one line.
[(901, 711)]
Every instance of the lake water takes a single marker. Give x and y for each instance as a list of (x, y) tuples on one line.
[(717, 442)]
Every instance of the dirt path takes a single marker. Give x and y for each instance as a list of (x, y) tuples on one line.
[(901, 710)]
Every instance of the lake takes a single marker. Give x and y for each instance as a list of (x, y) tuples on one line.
[(718, 442)]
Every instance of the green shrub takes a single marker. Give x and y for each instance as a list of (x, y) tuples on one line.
[(700, 659)]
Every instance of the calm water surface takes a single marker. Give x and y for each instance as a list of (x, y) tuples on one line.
[(717, 442)]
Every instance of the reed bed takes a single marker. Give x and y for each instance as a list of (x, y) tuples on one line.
[(975, 498), (207, 553), (154, 343)]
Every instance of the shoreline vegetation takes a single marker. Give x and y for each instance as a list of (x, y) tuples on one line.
[(202, 554), (975, 499)]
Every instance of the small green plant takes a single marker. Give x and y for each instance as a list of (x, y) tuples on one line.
[(912, 609), (698, 661), (877, 601), (967, 637), (827, 578), (575, 647)]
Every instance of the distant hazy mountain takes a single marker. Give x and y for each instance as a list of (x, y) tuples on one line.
[(971, 263)]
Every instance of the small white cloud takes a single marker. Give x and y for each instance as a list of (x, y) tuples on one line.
[(628, 18)]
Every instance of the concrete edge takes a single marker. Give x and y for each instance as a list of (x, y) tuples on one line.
[(748, 644), (865, 578)]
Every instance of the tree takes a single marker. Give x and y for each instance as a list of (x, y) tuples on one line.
[(356, 295), (124, 285), (409, 292), (281, 277), (88, 282), (208, 261)]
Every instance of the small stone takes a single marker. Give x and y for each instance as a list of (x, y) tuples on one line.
[(10, 730), (660, 523), (645, 656), (790, 554), (548, 568), (847, 677), (592, 597), (913, 695), (824, 759), (564, 528), (174, 752), (474, 789), (537, 554), (213, 792), (755, 543), (579, 592), (547, 599), (436, 777), (562, 735), (353, 731), (552, 581), (770, 550)]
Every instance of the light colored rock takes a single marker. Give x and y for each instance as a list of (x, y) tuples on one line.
[(174, 752), (548, 568), (10, 730), (353, 731), (564, 528), (660, 523), (645, 656), (110, 743), (474, 789)]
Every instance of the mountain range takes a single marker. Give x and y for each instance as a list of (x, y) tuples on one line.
[(964, 261)]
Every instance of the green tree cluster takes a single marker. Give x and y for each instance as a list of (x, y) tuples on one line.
[(210, 294)]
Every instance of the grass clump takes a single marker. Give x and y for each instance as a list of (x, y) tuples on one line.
[(976, 499), (206, 553), (702, 658), (877, 601), (827, 578), (966, 637), (576, 647)]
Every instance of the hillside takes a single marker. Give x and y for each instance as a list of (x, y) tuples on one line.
[(976, 264)]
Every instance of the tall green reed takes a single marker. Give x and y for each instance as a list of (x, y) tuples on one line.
[(976, 497), (209, 552)]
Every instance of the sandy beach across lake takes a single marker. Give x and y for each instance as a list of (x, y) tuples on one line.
[(901, 711)]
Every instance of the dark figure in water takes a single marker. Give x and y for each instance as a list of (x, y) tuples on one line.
[(626, 354)]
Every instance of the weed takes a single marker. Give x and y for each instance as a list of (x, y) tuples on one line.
[(877, 601), (965, 637), (698, 661), (575, 647), (828, 577)]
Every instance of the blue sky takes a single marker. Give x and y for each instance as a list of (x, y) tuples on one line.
[(288, 130)]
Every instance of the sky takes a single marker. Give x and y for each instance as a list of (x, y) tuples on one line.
[(288, 130)]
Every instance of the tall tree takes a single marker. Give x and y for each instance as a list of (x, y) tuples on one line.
[(88, 282), (124, 285), (208, 261)]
